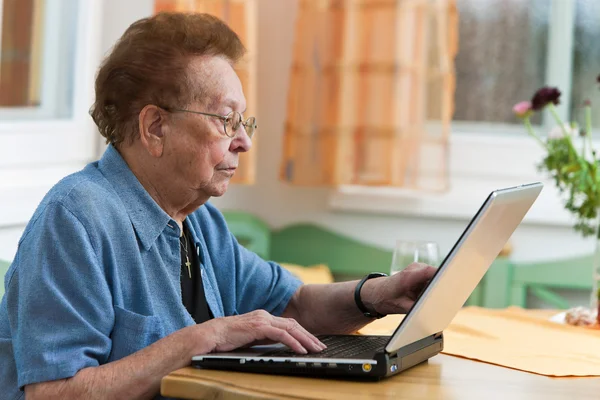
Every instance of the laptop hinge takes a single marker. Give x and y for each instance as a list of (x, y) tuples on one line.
[(415, 346)]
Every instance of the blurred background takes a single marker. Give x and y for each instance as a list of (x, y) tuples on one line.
[(428, 88)]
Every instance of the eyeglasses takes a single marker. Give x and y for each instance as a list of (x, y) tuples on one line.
[(231, 121)]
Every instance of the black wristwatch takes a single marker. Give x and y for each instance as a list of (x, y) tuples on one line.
[(358, 300)]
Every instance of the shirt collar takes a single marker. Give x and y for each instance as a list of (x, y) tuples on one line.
[(147, 218)]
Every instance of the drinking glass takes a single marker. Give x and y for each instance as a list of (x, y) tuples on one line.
[(407, 252)]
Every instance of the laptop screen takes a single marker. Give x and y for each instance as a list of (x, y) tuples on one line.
[(465, 264)]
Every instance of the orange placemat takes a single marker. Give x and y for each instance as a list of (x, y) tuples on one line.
[(513, 338)]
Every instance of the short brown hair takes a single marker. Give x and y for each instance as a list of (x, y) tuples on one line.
[(148, 66)]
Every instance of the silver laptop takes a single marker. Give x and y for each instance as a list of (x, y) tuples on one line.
[(419, 336)]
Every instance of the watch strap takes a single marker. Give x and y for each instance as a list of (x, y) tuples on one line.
[(361, 306)]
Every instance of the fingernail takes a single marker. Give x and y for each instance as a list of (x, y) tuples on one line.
[(323, 347), (303, 350)]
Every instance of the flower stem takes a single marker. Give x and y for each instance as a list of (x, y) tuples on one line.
[(531, 132), (557, 118), (588, 129), (573, 151)]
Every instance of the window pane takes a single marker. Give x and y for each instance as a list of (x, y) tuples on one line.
[(586, 61), (501, 58), (37, 43)]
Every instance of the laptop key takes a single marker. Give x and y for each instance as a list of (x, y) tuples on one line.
[(339, 347)]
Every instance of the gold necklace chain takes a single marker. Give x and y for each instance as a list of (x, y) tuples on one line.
[(188, 264)]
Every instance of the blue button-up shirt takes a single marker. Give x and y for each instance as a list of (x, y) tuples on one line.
[(97, 277)]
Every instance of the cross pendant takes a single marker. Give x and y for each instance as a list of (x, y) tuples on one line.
[(188, 264)]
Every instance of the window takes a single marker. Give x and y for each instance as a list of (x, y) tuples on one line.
[(37, 59), (501, 58), (49, 52), (507, 50), (510, 48), (586, 59)]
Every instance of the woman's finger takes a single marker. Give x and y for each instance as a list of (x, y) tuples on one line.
[(284, 337), (308, 340)]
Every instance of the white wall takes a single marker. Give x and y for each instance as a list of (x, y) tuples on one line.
[(9, 237), (280, 204), (118, 15)]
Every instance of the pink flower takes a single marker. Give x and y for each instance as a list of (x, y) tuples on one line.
[(522, 109)]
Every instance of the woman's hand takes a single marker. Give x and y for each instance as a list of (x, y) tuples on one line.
[(258, 327), (396, 294)]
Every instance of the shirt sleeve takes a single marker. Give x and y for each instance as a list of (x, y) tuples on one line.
[(59, 303), (251, 282), (262, 284)]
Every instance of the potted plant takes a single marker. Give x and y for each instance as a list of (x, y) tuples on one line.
[(572, 163)]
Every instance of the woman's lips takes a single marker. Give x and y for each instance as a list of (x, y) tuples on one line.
[(228, 171)]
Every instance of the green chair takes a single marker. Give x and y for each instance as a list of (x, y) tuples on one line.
[(309, 244), (509, 284), (3, 268), (250, 231), (347, 258)]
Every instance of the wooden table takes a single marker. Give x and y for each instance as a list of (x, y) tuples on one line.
[(442, 377)]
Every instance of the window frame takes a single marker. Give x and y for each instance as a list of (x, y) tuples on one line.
[(36, 153), (53, 100), (502, 161)]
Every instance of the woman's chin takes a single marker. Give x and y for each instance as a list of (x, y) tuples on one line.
[(220, 189)]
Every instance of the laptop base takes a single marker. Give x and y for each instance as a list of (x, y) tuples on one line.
[(381, 365)]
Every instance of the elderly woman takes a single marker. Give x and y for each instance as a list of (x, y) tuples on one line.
[(125, 271)]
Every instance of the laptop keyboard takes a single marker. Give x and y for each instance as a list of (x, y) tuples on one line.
[(339, 347)]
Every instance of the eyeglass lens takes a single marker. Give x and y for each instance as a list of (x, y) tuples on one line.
[(233, 122)]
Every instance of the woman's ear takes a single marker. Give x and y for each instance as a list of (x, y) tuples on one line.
[(151, 126)]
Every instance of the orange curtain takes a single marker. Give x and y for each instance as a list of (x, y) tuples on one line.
[(371, 93), (239, 15), (20, 53)]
